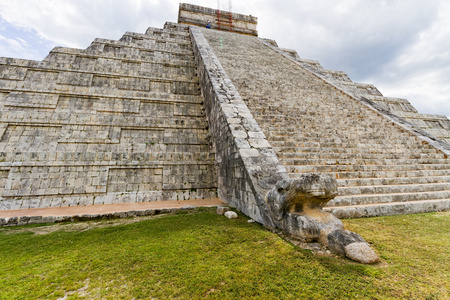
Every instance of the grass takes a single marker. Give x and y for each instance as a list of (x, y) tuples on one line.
[(204, 255)]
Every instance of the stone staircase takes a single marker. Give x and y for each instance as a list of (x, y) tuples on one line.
[(120, 121), (315, 126)]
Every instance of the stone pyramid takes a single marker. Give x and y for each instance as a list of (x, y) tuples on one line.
[(187, 112)]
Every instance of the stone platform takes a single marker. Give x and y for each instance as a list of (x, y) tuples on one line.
[(105, 211)]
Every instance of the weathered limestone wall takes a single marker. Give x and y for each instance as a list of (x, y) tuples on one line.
[(220, 20), (247, 167), (122, 121)]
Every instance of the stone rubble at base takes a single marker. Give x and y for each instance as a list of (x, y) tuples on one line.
[(230, 215), (222, 210)]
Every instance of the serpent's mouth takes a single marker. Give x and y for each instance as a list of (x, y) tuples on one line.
[(321, 193)]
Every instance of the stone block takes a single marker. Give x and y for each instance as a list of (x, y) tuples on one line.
[(361, 252), (231, 215), (222, 210), (12, 221)]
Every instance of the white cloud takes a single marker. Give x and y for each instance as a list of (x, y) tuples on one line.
[(15, 47), (77, 23), (421, 72), (357, 35)]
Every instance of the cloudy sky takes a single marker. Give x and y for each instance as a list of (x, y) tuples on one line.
[(401, 46)]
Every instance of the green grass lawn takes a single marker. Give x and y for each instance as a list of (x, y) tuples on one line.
[(193, 255)]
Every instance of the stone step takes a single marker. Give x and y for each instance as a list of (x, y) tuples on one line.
[(366, 161), (372, 149), (389, 209), (345, 142), (294, 137), (388, 198), (305, 112), (262, 104), (389, 174), (306, 122), (308, 128), (299, 129), (294, 129), (382, 174), (350, 143), (393, 189), (316, 148), (287, 129), (310, 122), (364, 168), (392, 181), (381, 156)]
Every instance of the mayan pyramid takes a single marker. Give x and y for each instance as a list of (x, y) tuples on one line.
[(187, 112)]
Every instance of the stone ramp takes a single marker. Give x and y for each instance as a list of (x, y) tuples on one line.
[(106, 211), (314, 126), (120, 121)]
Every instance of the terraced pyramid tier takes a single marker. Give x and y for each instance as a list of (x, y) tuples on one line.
[(120, 121), (313, 126)]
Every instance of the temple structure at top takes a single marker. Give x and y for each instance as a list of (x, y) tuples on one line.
[(219, 19)]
